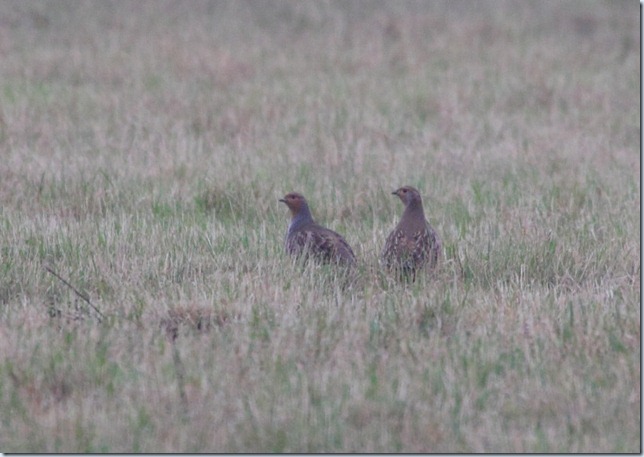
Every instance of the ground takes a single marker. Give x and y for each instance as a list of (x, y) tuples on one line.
[(147, 303)]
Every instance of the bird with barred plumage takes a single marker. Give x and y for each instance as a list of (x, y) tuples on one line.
[(305, 238), (413, 244)]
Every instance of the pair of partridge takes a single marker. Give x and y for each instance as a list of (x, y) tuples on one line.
[(411, 246)]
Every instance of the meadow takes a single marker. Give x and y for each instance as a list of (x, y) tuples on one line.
[(147, 303)]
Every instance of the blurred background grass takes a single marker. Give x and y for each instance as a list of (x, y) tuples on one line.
[(144, 146)]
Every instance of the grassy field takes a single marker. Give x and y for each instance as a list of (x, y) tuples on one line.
[(143, 150)]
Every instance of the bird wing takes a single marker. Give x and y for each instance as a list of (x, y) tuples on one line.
[(324, 244), (427, 247)]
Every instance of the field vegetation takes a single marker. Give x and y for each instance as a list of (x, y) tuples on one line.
[(147, 304)]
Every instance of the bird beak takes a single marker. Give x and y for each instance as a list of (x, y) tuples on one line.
[(282, 200), (395, 192)]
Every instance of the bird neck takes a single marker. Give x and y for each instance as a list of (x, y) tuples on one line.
[(413, 215), (301, 218)]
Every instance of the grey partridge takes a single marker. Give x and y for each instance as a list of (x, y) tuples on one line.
[(307, 238), (413, 244)]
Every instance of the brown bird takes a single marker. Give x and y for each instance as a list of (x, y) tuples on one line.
[(413, 244), (306, 237)]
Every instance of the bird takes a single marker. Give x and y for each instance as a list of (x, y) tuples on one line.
[(308, 239), (413, 244)]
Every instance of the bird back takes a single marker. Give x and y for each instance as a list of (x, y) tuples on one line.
[(320, 242)]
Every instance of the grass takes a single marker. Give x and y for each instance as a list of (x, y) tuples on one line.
[(144, 147)]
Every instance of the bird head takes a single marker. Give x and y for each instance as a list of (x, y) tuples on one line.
[(294, 201), (408, 195)]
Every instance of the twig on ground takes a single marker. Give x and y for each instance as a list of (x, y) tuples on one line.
[(181, 379), (76, 291)]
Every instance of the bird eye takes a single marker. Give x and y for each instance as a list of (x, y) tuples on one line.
[(404, 191)]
